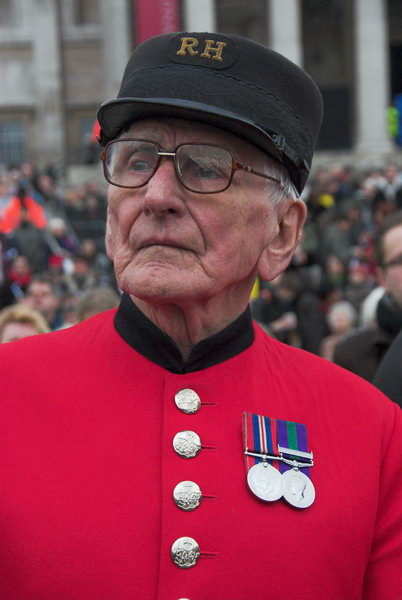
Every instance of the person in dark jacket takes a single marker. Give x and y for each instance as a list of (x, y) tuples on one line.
[(388, 377), (363, 351)]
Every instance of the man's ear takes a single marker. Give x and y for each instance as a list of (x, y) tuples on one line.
[(108, 237), (279, 251)]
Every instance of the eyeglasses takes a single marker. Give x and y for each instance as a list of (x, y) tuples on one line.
[(394, 262), (200, 168)]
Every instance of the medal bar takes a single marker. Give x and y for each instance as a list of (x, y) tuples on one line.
[(292, 452), (289, 479)]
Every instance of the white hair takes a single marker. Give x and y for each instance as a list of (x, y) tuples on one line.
[(342, 307), (278, 192)]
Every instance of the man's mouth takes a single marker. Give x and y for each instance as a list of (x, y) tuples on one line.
[(162, 243)]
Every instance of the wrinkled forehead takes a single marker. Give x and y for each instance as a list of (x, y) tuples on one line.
[(170, 132)]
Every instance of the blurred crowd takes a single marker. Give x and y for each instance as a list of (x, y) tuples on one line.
[(338, 287), (53, 260), (341, 297)]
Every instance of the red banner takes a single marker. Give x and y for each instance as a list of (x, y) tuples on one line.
[(153, 17)]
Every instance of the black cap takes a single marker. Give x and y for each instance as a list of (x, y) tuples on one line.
[(227, 81)]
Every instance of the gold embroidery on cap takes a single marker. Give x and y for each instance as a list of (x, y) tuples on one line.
[(217, 50), (187, 45)]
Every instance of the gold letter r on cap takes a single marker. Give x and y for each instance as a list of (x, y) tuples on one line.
[(187, 45)]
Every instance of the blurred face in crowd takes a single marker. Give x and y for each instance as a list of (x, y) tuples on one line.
[(21, 266), (27, 170), (172, 244), (15, 331), (391, 174), (391, 276), (340, 320), (88, 248), (46, 183), (81, 267), (41, 297)]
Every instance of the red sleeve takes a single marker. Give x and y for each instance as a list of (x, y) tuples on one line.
[(10, 218), (36, 214), (384, 572)]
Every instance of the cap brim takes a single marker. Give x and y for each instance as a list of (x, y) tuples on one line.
[(115, 115)]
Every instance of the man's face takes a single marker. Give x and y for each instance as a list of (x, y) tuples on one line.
[(391, 277), (170, 244), (41, 298)]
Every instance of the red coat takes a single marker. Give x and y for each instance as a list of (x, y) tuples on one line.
[(87, 471), (11, 217)]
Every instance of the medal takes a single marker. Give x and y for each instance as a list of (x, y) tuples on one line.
[(265, 482), (292, 446), (298, 488), (277, 460)]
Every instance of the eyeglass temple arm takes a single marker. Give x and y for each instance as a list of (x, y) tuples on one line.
[(238, 166)]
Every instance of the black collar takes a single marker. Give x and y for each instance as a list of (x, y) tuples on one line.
[(142, 335)]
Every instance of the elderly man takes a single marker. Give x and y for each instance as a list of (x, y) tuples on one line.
[(172, 449)]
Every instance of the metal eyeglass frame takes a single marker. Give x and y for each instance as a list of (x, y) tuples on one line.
[(236, 165)]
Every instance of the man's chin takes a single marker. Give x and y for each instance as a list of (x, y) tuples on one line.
[(165, 287)]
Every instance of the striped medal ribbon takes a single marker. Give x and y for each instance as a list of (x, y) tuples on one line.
[(296, 462), (263, 475), (277, 460)]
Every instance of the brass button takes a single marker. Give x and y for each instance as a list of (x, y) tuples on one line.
[(187, 495), (187, 444), (188, 401), (185, 552)]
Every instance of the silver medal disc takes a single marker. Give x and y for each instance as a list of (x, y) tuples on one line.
[(299, 489), (265, 482)]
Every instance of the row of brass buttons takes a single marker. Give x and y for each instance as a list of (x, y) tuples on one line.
[(187, 495)]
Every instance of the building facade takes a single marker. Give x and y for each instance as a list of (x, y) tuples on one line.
[(59, 59)]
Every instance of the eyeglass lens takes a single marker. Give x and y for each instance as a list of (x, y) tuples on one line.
[(200, 168)]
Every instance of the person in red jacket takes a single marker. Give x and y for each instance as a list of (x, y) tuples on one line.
[(21, 203), (171, 449)]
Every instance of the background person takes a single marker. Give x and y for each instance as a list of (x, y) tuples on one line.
[(341, 318), (363, 351), (388, 377), (42, 296), (19, 204), (17, 322), (97, 300)]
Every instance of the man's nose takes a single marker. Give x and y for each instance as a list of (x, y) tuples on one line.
[(163, 192)]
